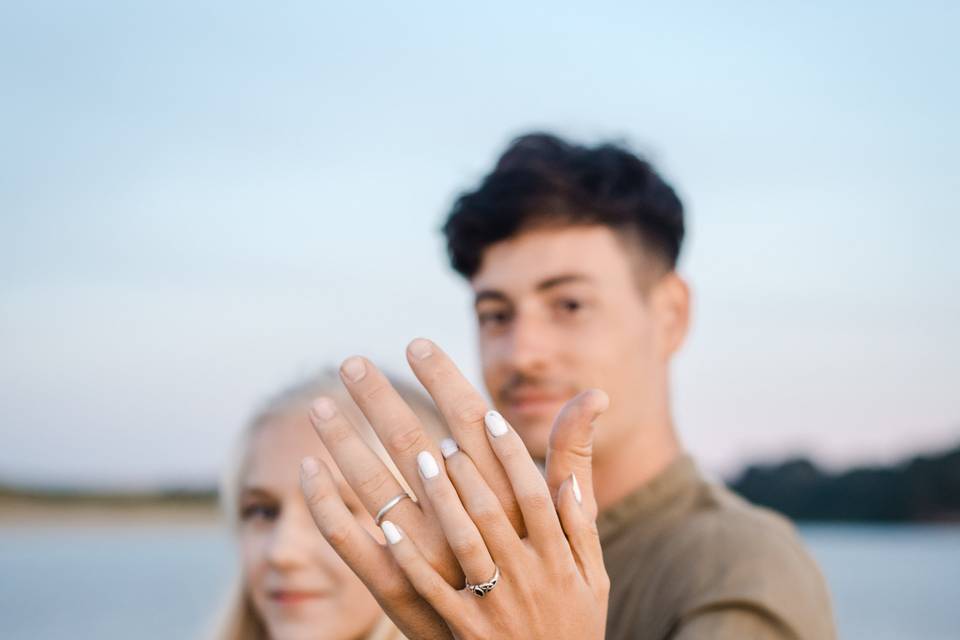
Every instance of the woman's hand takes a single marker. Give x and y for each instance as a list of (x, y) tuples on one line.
[(491, 481), (550, 584)]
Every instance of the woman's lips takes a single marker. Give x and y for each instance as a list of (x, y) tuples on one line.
[(293, 596)]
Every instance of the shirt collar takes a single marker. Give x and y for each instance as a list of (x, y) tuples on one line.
[(650, 498)]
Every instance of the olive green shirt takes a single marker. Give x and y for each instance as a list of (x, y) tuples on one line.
[(689, 559)]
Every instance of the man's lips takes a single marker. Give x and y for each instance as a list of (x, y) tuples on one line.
[(534, 401)]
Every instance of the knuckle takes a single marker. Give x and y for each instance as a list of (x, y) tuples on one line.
[(336, 433), (375, 390), (485, 515), (466, 546), (443, 494), (535, 501), (565, 440), (602, 585), (406, 440), (470, 411), (512, 451), (431, 588), (336, 533), (371, 483), (590, 530), (313, 493), (441, 558), (397, 591)]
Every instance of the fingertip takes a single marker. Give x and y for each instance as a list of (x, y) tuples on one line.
[(353, 369), (322, 409), (420, 348), (309, 467), (597, 400)]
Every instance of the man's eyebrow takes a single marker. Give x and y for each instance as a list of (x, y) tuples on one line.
[(566, 278), (545, 285), (489, 294)]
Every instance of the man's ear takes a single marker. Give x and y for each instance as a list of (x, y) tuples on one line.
[(670, 300)]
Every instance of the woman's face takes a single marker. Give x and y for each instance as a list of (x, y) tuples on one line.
[(298, 584)]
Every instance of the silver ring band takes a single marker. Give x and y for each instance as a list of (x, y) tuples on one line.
[(391, 503), (482, 589)]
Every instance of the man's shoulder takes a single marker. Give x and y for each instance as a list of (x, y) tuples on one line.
[(727, 552), (706, 551), (720, 519), (738, 543)]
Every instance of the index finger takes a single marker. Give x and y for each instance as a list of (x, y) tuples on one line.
[(397, 427), (463, 408)]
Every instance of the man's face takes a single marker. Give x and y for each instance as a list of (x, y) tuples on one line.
[(559, 311)]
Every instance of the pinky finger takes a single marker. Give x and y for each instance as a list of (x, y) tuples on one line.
[(424, 578), (582, 534), (370, 560)]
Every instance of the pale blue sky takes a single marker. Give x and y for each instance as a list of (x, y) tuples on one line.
[(199, 204)]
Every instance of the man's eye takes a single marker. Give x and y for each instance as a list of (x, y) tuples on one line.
[(265, 512), (569, 306), (493, 318)]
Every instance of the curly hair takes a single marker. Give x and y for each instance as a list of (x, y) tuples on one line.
[(542, 180)]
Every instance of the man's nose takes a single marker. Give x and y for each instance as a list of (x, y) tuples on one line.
[(529, 345)]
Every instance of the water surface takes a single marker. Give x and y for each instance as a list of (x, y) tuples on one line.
[(113, 582)]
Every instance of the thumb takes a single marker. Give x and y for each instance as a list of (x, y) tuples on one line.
[(570, 450)]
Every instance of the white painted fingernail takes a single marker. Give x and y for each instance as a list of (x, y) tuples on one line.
[(391, 532), (448, 447), (575, 487), (496, 425), (428, 464)]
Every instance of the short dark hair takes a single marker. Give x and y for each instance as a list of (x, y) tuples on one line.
[(543, 180)]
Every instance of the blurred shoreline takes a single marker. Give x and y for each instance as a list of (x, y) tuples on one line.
[(92, 510), (920, 489)]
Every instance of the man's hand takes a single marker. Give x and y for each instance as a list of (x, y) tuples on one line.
[(502, 497)]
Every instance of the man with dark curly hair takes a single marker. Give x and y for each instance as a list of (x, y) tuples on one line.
[(571, 253)]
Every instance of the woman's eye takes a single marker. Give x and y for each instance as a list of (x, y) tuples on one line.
[(259, 512)]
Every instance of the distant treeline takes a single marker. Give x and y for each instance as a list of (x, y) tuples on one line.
[(69, 497), (923, 489)]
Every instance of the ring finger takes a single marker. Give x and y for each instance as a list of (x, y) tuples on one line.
[(462, 534), (374, 483)]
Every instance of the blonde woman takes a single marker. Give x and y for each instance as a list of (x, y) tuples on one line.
[(292, 584)]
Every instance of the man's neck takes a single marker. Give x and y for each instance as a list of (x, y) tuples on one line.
[(629, 465)]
